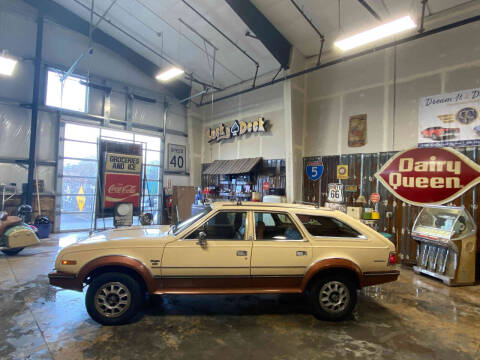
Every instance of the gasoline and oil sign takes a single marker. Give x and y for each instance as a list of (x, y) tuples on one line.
[(342, 172)]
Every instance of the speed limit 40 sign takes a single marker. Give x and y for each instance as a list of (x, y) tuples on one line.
[(177, 158), (335, 193)]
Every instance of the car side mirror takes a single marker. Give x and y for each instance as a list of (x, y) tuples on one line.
[(202, 239)]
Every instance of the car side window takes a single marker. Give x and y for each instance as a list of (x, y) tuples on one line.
[(275, 226), (327, 226), (226, 225)]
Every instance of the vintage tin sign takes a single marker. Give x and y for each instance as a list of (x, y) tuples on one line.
[(374, 198), (121, 188), (342, 172), (423, 176), (314, 170), (335, 193), (351, 188)]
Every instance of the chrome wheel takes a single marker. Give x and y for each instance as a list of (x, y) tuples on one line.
[(334, 297), (112, 299)]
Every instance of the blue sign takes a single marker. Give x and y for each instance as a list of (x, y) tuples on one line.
[(314, 170)]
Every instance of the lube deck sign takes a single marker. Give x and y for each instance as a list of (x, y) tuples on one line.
[(238, 128), (422, 176), (314, 170)]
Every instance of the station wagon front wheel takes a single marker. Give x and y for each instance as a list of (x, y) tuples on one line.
[(113, 298), (333, 297)]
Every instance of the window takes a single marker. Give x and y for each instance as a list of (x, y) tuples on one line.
[(275, 226), (224, 226), (327, 226), (79, 181), (72, 97)]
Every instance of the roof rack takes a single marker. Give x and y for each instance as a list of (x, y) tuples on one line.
[(307, 203)]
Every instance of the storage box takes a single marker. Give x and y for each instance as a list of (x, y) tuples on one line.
[(355, 212)]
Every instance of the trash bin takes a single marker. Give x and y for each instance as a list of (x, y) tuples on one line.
[(43, 225)]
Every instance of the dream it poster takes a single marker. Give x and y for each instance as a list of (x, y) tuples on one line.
[(449, 119)]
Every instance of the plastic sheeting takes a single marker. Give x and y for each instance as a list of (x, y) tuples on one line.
[(14, 132), (46, 136), (13, 174), (147, 113)]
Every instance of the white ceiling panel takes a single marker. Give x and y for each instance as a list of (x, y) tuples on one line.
[(156, 24)]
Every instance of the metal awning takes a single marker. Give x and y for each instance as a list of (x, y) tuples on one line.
[(228, 167)]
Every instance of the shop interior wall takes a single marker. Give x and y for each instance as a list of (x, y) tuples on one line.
[(267, 102), (61, 47), (445, 62), (441, 63)]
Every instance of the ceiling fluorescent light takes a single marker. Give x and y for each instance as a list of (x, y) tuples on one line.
[(7, 64), (377, 33), (169, 74)]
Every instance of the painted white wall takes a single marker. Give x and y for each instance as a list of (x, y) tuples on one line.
[(445, 62), (269, 103)]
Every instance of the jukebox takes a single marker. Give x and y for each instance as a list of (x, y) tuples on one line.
[(447, 244)]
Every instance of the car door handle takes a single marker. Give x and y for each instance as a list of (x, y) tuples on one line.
[(241, 253), (301, 253)]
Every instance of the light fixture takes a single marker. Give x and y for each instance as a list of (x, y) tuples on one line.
[(377, 33), (169, 74), (7, 64)]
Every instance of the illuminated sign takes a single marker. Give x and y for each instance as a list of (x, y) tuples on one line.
[(429, 175), (238, 128)]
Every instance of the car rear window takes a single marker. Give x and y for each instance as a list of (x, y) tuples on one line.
[(327, 226)]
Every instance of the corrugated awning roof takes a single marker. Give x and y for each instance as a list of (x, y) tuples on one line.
[(226, 167)]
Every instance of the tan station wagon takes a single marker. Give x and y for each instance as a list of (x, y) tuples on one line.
[(230, 248)]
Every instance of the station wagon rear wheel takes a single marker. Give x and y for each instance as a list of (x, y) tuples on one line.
[(113, 298), (333, 297)]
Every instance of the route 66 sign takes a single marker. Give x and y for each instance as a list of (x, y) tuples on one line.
[(335, 193), (314, 170)]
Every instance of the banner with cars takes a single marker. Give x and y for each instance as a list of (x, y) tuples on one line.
[(449, 119)]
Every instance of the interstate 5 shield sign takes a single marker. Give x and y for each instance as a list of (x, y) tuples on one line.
[(422, 176), (314, 170)]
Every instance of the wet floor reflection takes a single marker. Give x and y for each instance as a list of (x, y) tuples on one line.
[(413, 318)]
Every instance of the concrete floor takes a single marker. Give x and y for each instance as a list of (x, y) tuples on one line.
[(413, 318)]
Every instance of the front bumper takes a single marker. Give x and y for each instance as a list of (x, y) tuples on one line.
[(65, 280), (375, 278)]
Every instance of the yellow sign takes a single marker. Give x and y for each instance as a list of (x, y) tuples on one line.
[(342, 172), (81, 199), (123, 163)]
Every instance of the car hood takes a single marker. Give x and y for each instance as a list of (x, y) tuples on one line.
[(127, 236)]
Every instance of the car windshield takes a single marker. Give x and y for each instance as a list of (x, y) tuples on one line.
[(177, 229)]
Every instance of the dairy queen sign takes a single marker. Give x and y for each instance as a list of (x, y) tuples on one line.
[(429, 175)]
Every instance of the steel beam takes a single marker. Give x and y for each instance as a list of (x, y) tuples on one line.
[(263, 29), (376, 49), (35, 98), (370, 10), (68, 19)]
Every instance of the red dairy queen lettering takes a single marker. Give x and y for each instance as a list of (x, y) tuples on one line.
[(429, 175)]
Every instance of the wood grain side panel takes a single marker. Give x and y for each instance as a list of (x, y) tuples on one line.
[(121, 261), (327, 264)]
